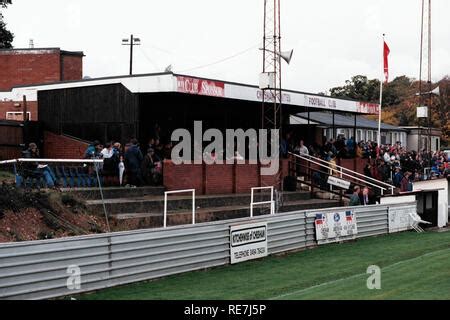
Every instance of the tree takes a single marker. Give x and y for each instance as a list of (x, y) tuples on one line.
[(6, 37), (358, 88), (4, 3), (400, 101)]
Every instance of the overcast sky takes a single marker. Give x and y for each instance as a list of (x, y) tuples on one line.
[(333, 40)]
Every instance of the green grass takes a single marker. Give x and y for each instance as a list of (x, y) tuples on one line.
[(414, 266)]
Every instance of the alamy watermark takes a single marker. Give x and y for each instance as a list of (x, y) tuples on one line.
[(74, 280), (244, 147), (374, 281)]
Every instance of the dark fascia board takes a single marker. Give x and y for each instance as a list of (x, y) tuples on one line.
[(73, 53)]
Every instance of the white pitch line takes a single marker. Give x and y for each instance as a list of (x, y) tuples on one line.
[(355, 276)]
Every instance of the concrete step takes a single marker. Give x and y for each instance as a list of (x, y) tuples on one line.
[(326, 195), (155, 220), (309, 205), (114, 192), (153, 204)]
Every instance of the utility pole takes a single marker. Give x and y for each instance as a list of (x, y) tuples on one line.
[(425, 71), (131, 42), (25, 120)]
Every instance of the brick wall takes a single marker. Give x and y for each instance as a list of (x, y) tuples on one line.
[(28, 67), (63, 147), (11, 134), (183, 177), (8, 106), (218, 179), (72, 67), (350, 164), (8, 153), (247, 177)]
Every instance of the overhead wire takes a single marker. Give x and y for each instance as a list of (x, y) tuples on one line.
[(221, 60)]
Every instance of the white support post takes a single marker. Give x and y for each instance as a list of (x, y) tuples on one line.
[(165, 210), (251, 204), (271, 202), (192, 191), (193, 207), (272, 207)]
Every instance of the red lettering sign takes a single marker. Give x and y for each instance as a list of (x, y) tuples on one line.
[(200, 87), (369, 108)]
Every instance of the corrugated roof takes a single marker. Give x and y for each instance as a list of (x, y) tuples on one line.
[(341, 121)]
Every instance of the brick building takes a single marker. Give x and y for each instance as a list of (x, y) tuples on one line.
[(25, 67)]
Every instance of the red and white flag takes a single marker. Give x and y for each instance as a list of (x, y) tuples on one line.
[(387, 51)]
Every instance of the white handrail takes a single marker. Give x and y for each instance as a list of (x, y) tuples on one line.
[(179, 191), (271, 202), (52, 161), (348, 170), (345, 174), (8, 162)]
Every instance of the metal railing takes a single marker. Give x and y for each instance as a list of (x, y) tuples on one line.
[(192, 191), (271, 202), (39, 269), (344, 172), (30, 160)]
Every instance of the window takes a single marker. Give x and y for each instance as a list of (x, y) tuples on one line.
[(341, 132), (16, 116), (359, 135)]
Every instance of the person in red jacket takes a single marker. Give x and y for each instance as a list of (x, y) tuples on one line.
[(405, 185)]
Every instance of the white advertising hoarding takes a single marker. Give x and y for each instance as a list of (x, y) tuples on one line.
[(335, 226), (340, 183), (400, 219), (248, 242)]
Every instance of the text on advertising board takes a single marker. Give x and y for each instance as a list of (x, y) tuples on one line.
[(269, 96), (340, 183), (200, 87), (368, 108), (248, 242), (336, 226)]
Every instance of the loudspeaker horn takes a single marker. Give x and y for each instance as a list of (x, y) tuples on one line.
[(287, 56)]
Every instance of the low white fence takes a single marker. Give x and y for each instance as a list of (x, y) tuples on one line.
[(47, 269)]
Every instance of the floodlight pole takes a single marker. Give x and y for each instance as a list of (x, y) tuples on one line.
[(132, 42)]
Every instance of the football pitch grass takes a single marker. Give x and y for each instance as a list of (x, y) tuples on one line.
[(413, 266)]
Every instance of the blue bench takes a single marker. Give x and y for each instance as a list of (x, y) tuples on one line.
[(67, 176)]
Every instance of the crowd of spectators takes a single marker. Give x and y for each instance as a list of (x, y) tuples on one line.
[(136, 164), (391, 163)]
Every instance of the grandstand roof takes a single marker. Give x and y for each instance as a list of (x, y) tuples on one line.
[(342, 121)]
